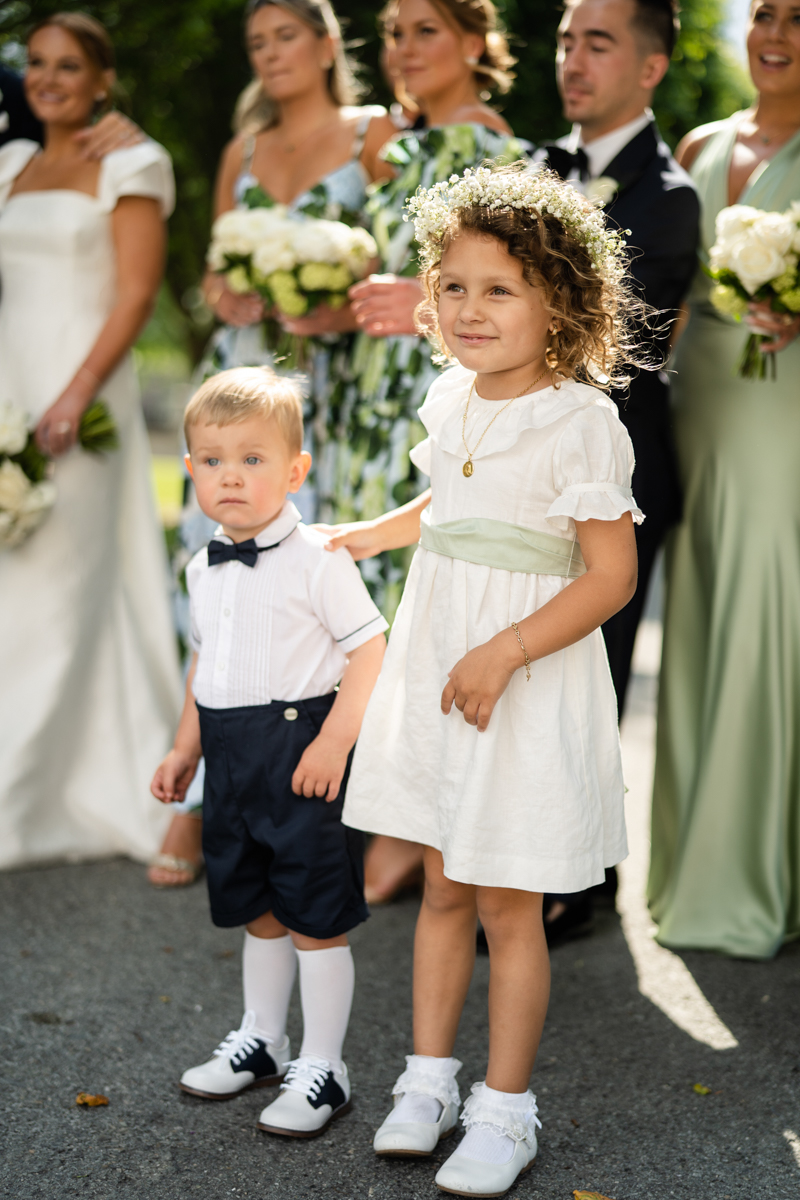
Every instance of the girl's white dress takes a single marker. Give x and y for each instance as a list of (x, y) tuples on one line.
[(89, 678), (536, 801)]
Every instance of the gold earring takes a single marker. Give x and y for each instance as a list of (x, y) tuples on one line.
[(471, 60), (550, 355), (101, 97)]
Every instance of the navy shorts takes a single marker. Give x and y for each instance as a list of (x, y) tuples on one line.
[(266, 849)]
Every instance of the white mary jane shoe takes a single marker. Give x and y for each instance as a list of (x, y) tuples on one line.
[(464, 1176), (415, 1138), (423, 1076), (509, 1118)]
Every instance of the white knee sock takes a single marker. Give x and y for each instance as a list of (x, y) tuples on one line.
[(268, 970), (327, 979), (484, 1142)]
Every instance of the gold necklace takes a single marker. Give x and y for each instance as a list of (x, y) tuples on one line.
[(468, 467)]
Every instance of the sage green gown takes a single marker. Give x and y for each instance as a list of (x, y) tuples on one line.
[(725, 868)]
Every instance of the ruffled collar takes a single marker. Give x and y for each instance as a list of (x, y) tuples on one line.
[(443, 412)]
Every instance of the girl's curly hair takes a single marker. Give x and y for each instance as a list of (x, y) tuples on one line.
[(599, 321)]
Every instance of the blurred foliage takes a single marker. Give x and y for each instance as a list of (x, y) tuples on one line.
[(182, 65)]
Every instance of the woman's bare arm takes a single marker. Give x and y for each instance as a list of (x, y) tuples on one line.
[(139, 243)]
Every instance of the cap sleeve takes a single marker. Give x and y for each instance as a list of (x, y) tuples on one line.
[(592, 470), (14, 158), (143, 170), (340, 599)]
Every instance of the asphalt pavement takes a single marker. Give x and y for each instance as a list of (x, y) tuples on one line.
[(108, 986)]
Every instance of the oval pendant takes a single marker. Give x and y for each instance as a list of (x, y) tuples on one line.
[(467, 468)]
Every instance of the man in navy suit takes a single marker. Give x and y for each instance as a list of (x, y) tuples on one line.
[(611, 56)]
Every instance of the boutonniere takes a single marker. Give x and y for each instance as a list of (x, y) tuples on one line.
[(601, 191)]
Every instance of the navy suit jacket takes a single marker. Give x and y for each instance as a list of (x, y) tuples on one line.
[(16, 118), (658, 202)]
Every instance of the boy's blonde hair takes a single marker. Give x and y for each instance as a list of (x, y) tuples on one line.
[(245, 392)]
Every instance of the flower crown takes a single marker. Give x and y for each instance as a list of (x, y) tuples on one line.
[(535, 190)]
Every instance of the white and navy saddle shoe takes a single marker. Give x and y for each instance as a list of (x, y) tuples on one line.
[(243, 1060), (313, 1094)]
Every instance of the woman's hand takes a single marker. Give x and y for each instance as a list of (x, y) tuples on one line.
[(322, 320), (384, 304), (112, 132), (360, 538), (235, 308), (782, 327), (478, 680), (57, 430)]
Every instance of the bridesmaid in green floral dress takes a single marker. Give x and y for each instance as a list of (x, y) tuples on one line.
[(725, 872), (448, 53)]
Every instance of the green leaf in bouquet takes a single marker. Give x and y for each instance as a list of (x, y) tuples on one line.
[(32, 460), (97, 432), (256, 197)]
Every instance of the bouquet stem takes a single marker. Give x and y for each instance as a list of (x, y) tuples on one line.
[(754, 364)]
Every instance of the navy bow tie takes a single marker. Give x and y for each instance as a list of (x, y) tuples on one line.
[(246, 552), (564, 161)]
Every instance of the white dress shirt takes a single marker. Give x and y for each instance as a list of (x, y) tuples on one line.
[(280, 630), (603, 150)]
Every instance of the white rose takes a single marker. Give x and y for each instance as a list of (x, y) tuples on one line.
[(735, 220), (755, 261), (14, 487), (776, 229), (312, 242), (13, 429), (232, 233), (273, 254)]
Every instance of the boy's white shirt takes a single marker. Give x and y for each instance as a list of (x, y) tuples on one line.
[(280, 630)]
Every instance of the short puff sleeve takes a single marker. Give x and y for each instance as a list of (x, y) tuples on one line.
[(143, 170), (14, 158), (340, 599), (592, 470)]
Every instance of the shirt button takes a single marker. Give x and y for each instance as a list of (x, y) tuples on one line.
[(227, 612), (290, 714), (220, 666)]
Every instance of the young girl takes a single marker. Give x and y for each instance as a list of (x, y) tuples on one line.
[(491, 737)]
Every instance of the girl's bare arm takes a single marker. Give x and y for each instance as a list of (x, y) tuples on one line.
[(394, 529)]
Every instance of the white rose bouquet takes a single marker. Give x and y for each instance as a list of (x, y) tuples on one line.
[(294, 263), (26, 492), (755, 258)]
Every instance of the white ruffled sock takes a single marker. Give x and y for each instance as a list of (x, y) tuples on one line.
[(439, 1075), (485, 1142)]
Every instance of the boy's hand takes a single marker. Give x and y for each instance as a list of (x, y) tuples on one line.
[(171, 780), (478, 680), (320, 770)]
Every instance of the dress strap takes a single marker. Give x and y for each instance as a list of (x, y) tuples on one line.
[(360, 134), (248, 150)]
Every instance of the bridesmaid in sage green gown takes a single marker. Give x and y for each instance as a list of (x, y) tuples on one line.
[(725, 869)]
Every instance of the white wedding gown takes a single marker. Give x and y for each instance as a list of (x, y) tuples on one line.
[(89, 678)]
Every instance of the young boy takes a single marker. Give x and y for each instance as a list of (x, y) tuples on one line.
[(277, 623)]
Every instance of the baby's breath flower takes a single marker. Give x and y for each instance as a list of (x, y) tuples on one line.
[(537, 191)]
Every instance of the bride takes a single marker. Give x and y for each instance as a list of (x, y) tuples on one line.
[(90, 684)]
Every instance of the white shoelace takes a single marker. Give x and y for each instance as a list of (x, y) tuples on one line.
[(306, 1075), (239, 1042)]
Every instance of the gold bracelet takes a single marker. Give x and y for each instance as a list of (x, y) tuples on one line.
[(515, 627)]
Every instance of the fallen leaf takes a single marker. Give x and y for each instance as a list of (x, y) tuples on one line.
[(167, 949), (89, 1101), (45, 1018), (165, 999), (574, 1122), (589, 1196), (702, 1090), (226, 954)]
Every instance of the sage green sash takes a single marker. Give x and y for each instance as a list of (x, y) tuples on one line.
[(505, 546)]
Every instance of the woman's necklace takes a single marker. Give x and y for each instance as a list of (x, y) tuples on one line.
[(468, 467)]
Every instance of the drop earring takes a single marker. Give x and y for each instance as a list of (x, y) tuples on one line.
[(471, 60), (550, 355)]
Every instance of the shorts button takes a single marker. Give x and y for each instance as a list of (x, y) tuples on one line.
[(290, 714)]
